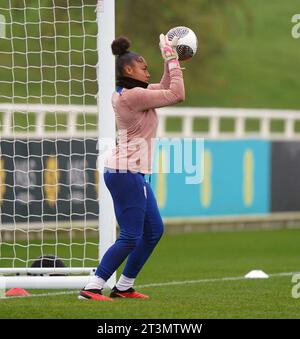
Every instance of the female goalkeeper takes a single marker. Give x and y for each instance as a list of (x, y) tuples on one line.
[(135, 206)]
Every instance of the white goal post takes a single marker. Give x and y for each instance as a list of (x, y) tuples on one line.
[(55, 53)]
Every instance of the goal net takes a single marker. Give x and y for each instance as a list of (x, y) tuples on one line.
[(48, 133)]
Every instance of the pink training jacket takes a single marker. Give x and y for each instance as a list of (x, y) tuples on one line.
[(137, 120)]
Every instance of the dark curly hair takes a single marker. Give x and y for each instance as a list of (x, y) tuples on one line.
[(120, 48)]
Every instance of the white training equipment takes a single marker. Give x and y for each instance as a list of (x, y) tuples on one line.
[(256, 274)]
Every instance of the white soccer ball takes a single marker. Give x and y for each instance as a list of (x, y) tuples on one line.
[(187, 44)]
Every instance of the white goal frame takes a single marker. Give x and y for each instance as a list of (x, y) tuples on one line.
[(107, 221)]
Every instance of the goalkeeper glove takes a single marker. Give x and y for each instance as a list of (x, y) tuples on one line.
[(168, 48)]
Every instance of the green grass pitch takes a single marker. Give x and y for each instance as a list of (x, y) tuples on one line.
[(187, 277)]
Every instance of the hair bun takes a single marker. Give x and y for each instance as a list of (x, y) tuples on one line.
[(120, 46)]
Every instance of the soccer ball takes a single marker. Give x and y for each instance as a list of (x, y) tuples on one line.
[(187, 42)]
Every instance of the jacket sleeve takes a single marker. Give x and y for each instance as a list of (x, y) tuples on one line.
[(165, 80), (140, 99)]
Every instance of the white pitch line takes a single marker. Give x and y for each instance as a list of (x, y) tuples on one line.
[(43, 294), (162, 284), (170, 283), (282, 274)]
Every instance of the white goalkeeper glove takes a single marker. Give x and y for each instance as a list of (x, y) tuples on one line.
[(168, 48)]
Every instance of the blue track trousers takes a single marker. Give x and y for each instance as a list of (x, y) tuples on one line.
[(141, 225)]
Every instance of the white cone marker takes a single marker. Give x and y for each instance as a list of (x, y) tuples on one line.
[(256, 274)]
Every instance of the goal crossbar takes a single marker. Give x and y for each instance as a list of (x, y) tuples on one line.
[(44, 282), (47, 270)]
